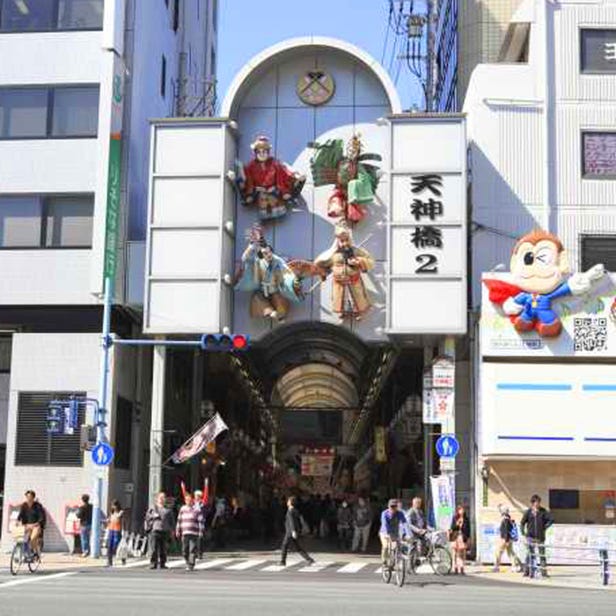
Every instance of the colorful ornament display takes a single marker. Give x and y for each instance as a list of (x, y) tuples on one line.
[(266, 183)]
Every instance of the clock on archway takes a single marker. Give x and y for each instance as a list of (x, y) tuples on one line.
[(315, 87)]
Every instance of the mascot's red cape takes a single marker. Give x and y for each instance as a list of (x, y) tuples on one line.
[(500, 291)]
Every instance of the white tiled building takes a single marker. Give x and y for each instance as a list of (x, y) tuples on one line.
[(74, 73)]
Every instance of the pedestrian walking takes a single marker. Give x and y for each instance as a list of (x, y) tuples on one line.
[(188, 529), (344, 525), (508, 535), (459, 535), (535, 522), (159, 526), (292, 528), (199, 505), (362, 521), (84, 515), (114, 530)]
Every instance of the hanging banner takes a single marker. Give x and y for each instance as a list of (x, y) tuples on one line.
[(114, 173), (380, 450), (443, 500), (428, 414)]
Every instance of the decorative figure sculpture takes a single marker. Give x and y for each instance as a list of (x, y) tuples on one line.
[(273, 284), (346, 263), (354, 179), (266, 182), (539, 266)]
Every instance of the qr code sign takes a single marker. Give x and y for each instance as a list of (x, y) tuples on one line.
[(590, 334)]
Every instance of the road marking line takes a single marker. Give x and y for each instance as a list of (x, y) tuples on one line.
[(136, 563), (316, 567), (38, 578), (176, 564), (379, 570), (352, 567), (245, 565), (210, 564), (277, 568)]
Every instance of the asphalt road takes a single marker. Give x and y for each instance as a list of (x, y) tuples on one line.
[(137, 592)]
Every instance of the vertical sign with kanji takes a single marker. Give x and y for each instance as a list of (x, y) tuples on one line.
[(427, 230)]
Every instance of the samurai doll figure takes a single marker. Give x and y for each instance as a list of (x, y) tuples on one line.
[(267, 183), (354, 178), (273, 284), (346, 263)]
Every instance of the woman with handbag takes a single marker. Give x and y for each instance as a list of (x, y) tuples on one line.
[(459, 535)]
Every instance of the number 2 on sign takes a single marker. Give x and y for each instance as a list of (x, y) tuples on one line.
[(428, 264)]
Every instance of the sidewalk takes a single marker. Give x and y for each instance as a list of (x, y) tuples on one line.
[(561, 576)]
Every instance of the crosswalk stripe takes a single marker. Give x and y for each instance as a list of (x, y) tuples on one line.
[(176, 564), (316, 567), (247, 564), (352, 567), (277, 568), (379, 570), (131, 564), (211, 564)]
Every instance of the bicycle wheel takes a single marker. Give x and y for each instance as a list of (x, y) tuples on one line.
[(34, 563), (414, 560), (440, 560), (400, 570), (17, 558), (387, 568)]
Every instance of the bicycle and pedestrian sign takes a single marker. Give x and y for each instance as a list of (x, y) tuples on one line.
[(447, 446), (102, 454)]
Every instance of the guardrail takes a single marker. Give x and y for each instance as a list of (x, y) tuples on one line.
[(536, 551)]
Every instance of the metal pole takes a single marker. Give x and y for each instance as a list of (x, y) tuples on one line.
[(101, 474)]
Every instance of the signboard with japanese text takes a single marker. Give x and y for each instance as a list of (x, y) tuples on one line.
[(427, 237), (443, 500), (317, 465), (599, 154)]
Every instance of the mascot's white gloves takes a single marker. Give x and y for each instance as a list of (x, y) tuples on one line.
[(581, 283), (510, 306)]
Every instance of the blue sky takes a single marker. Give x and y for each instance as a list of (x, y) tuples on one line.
[(246, 27)]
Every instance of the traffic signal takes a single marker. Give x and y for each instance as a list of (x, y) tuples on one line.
[(225, 342), (55, 417)]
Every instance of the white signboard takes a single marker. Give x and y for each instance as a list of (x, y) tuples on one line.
[(443, 497), (427, 236), (589, 326)]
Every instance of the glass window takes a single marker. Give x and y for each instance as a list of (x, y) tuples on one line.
[(75, 112), (80, 14), (24, 15), (6, 346), (23, 112), (68, 221), (20, 222), (598, 51), (599, 155), (599, 249)]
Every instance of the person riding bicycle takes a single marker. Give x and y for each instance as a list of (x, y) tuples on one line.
[(393, 527), (32, 516), (417, 523)]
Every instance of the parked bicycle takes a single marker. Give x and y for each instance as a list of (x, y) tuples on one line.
[(23, 554), (433, 549)]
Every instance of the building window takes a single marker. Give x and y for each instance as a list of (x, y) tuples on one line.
[(46, 221), (123, 433), (598, 51), (50, 15), (163, 77), (598, 249), (43, 113), (6, 350), (599, 155), (34, 447)]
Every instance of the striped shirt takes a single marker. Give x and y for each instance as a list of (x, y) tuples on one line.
[(190, 521)]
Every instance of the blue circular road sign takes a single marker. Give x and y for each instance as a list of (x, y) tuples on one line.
[(102, 454), (447, 446)]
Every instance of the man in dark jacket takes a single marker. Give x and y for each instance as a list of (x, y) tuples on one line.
[(292, 531), (535, 521), (32, 516), (159, 524), (84, 515)]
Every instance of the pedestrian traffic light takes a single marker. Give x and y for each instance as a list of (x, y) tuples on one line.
[(55, 417), (225, 342)]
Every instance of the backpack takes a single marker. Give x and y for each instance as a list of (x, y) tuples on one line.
[(514, 534)]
